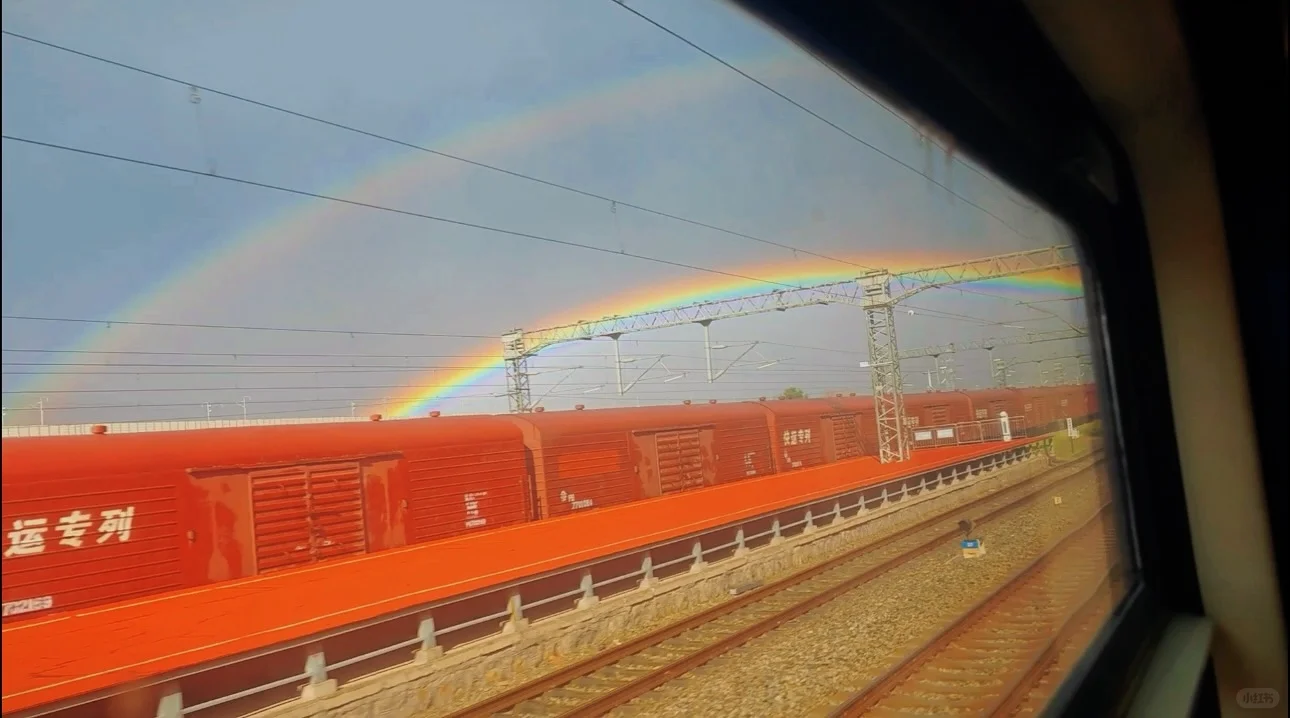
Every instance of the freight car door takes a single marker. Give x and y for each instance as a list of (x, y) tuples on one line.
[(846, 437), (305, 514), (680, 460)]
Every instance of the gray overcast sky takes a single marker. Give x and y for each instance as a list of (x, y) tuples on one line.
[(579, 92)]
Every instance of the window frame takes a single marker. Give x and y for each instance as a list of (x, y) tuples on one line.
[(986, 75)]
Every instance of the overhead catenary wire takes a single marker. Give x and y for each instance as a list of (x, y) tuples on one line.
[(257, 371), (355, 387), (234, 368), (926, 311), (392, 210), (237, 367), (284, 355), (382, 208), (684, 389), (659, 396), (370, 403), (857, 87), (613, 201), (623, 4)]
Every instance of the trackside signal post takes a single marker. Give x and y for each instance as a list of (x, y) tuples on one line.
[(871, 292)]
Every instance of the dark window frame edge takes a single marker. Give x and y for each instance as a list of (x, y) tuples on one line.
[(1071, 181)]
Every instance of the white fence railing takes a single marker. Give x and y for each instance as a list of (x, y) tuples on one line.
[(357, 651), (967, 432)]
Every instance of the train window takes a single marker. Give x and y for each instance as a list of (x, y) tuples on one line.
[(515, 252)]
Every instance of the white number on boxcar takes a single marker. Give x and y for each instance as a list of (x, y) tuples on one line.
[(473, 519), (28, 605)]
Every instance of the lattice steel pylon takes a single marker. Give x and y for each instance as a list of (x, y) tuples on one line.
[(945, 373), (871, 292), (999, 370), (516, 357), (884, 366)]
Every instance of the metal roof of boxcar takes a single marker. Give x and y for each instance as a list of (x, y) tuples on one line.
[(929, 398), (552, 423), (982, 397), (34, 457), (818, 407)]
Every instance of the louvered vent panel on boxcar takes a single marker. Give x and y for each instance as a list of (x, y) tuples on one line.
[(938, 415), (846, 436), (305, 514), (680, 460), (336, 511)]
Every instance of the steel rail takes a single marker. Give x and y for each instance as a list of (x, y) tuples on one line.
[(512, 698), (869, 697)]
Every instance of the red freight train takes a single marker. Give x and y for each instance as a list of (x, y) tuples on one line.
[(97, 519)]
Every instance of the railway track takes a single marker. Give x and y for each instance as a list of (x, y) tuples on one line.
[(995, 659), (613, 678)]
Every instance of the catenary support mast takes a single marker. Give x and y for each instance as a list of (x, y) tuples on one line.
[(876, 292)]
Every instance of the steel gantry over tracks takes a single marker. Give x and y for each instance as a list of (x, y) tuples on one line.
[(877, 292), (944, 374)]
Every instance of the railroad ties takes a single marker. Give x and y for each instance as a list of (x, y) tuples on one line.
[(996, 658), (611, 681)]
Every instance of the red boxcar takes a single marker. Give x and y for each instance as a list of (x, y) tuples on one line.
[(94, 519), (1072, 402), (988, 403), (587, 459), (1039, 406), (1047, 408), (938, 408), (1091, 402), (811, 432)]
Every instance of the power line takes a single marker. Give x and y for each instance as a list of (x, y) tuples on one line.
[(654, 386), (236, 355), (494, 168), (336, 387), (392, 210), (421, 148), (812, 113), (352, 332), (346, 369), (1006, 193), (816, 349), (257, 371), (294, 355), (236, 327), (376, 401)]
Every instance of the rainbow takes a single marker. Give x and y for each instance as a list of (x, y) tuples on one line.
[(190, 290), (444, 384), (276, 237)]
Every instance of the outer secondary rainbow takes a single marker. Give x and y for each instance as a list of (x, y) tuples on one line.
[(277, 237), (290, 230)]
